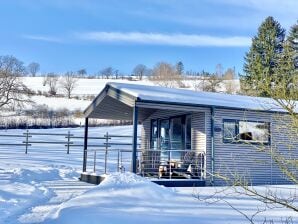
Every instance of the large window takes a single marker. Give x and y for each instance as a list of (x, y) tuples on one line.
[(171, 134), (246, 131)]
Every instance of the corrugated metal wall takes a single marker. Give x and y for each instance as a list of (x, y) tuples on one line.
[(249, 160)]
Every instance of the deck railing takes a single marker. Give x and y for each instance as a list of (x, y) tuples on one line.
[(166, 164), (173, 164)]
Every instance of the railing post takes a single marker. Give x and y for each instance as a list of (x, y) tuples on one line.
[(68, 141), (106, 151), (170, 167), (26, 142), (201, 165), (212, 144), (135, 139), (85, 145)]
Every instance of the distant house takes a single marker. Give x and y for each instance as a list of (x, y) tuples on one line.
[(190, 137)]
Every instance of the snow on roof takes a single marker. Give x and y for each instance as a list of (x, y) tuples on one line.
[(199, 98)]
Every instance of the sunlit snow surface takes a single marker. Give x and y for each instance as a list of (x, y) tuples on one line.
[(42, 187), (199, 98)]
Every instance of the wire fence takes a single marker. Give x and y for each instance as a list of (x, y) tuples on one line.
[(111, 153), (66, 140)]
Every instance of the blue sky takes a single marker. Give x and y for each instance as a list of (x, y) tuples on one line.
[(65, 35)]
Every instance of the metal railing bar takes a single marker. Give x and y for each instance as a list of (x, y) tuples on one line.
[(79, 137), (121, 136), (116, 143), (45, 142), (81, 145), (21, 136), (53, 134), (172, 150), (114, 149), (14, 144)]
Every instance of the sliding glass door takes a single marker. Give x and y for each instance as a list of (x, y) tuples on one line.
[(177, 134), (164, 138), (173, 134)]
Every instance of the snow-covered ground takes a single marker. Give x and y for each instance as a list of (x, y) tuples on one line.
[(43, 187), (84, 87)]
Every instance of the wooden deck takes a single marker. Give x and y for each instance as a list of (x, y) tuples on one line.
[(97, 179)]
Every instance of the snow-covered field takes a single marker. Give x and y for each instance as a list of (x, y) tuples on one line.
[(43, 187), (83, 87)]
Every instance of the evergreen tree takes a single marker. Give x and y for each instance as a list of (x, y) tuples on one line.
[(293, 39), (262, 58), (180, 68), (286, 75)]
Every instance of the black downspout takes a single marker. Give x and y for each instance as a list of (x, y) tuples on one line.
[(85, 145), (212, 145), (135, 139)]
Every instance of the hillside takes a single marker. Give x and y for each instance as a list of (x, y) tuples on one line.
[(58, 111)]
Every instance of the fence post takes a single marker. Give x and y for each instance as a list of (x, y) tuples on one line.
[(121, 162), (106, 151), (118, 160), (26, 142), (68, 141), (94, 162)]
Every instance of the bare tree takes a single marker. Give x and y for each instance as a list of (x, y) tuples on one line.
[(165, 74), (82, 72), (33, 68), (12, 90), (219, 70), (107, 72), (68, 83), (212, 83), (52, 81), (44, 80), (116, 73), (229, 81), (140, 71)]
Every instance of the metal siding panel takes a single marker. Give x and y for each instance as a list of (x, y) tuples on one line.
[(247, 160)]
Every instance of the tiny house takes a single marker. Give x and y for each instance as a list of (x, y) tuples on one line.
[(198, 138)]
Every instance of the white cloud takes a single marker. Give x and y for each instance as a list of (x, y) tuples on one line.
[(191, 40), (43, 38)]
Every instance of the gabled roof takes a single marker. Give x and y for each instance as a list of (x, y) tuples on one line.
[(159, 94), (116, 101)]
